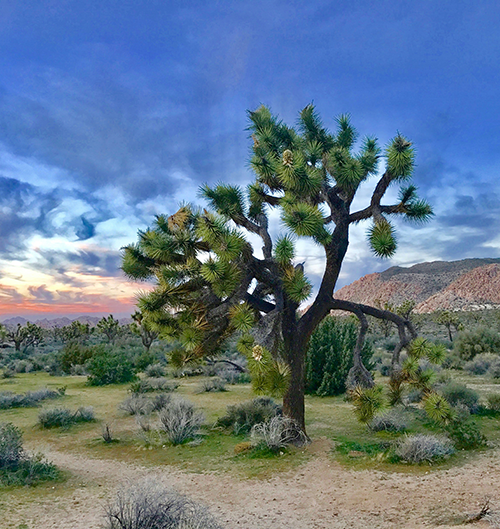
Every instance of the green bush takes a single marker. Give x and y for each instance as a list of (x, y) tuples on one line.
[(459, 394), (494, 402), (242, 417), (479, 340), (16, 466), (74, 354), (109, 367), (329, 356), (465, 435)]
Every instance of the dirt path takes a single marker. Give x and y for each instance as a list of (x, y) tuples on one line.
[(319, 495)]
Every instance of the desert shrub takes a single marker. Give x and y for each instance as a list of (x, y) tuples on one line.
[(466, 435), (64, 417), (456, 393), (180, 421), (136, 405), (8, 373), (147, 385), (149, 505), (384, 368), (478, 340), (481, 363), (242, 417), (493, 402), (212, 385), (27, 400), (422, 448), (11, 445), (414, 396), (109, 367), (16, 466), (75, 354), (230, 376), (145, 359), (161, 401), (277, 433), (155, 371), (329, 356), (494, 370), (391, 421), (452, 361)]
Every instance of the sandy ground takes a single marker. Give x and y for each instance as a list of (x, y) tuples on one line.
[(321, 494)]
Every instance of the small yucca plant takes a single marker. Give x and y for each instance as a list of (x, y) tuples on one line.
[(367, 402)]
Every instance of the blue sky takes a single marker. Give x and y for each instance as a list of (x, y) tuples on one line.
[(112, 112)]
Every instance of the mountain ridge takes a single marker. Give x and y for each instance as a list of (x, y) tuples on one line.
[(467, 284)]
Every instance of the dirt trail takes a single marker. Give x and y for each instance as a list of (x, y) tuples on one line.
[(319, 495)]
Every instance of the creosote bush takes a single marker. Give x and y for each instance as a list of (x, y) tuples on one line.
[(421, 448), (64, 417), (477, 341), (180, 421), (242, 417), (109, 367), (150, 505)]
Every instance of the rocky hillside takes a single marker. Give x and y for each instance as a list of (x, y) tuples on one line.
[(470, 284)]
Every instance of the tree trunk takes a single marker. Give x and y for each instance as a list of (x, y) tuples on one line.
[(293, 400)]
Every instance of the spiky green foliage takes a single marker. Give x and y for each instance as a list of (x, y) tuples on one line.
[(382, 239), (242, 317), (438, 409), (284, 250), (270, 375), (400, 158), (296, 284), (367, 402)]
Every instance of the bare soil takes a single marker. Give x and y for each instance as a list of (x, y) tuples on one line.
[(321, 494)]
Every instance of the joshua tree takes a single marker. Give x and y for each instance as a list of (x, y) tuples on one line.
[(448, 320), (142, 328), (109, 327), (210, 281), (27, 335)]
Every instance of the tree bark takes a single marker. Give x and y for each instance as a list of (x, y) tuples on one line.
[(293, 400)]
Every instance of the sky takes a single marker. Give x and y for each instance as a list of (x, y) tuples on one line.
[(112, 112)]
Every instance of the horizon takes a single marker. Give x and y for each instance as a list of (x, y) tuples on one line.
[(112, 114)]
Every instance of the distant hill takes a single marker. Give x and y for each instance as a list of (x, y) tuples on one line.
[(470, 284)]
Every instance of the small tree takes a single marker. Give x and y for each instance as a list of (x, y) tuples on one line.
[(25, 335), (448, 320), (110, 328), (143, 328), (209, 280)]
